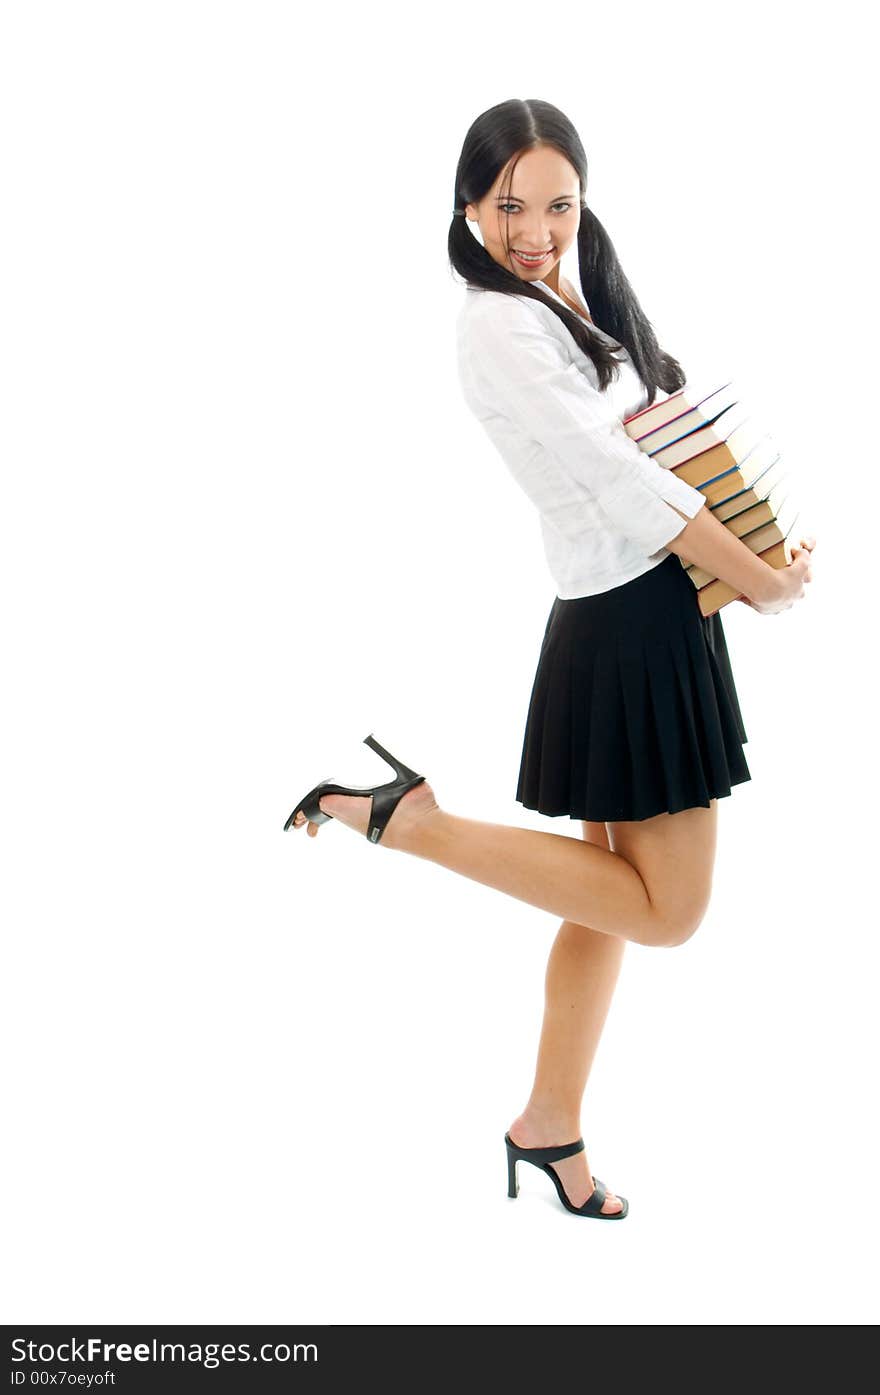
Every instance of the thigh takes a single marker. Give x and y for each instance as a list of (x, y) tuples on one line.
[(595, 833), (675, 856)]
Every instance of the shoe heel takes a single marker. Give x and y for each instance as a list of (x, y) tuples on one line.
[(512, 1183), (403, 772)]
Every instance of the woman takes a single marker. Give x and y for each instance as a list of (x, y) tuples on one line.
[(633, 725)]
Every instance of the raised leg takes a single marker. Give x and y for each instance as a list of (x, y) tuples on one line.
[(652, 885)]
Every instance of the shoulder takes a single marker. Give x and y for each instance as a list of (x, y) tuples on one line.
[(487, 314), (510, 343)]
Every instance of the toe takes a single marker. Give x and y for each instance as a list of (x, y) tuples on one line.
[(611, 1204)]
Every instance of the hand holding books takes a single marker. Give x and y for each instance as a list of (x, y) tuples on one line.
[(798, 573)]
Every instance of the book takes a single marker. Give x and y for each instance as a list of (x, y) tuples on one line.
[(706, 435), (666, 420)]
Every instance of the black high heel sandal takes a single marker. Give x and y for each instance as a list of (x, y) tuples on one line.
[(543, 1157), (385, 797)]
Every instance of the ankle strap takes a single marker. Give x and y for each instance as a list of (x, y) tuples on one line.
[(542, 1155)]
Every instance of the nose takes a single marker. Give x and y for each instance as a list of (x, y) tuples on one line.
[(536, 238)]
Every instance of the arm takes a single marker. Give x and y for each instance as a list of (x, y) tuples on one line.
[(705, 541), (525, 373)]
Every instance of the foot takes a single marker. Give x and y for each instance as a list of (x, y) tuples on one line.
[(573, 1172), (354, 811)]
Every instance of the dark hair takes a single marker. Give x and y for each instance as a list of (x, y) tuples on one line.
[(506, 131)]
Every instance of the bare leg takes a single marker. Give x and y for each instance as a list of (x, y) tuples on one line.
[(655, 891), (582, 972)]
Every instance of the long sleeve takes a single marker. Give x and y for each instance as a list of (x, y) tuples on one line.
[(523, 373)]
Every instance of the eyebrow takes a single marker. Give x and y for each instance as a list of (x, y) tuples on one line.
[(512, 198)]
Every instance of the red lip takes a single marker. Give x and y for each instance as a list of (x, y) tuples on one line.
[(539, 257)]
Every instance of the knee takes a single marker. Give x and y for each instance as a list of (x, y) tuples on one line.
[(677, 930)]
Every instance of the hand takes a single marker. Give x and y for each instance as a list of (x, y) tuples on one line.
[(790, 581)]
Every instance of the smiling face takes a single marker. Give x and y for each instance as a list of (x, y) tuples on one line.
[(541, 208)]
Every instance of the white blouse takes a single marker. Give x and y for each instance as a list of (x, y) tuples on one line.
[(602, 501)]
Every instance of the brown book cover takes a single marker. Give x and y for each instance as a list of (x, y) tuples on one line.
[(709, 440)]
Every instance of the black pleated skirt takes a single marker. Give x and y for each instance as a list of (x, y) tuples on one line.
[(633, 710)]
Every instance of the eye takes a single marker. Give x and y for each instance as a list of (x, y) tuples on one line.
[(514, 208)]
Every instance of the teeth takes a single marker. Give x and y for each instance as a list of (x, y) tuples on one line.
[(532, 256)]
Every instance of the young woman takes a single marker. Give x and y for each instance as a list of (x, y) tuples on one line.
[(633, 725)]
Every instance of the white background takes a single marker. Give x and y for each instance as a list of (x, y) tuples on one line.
[(247, 519)]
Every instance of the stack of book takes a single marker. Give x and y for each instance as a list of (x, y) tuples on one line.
[(708, 438)]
